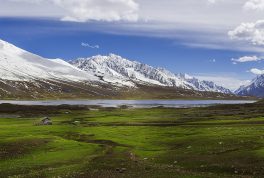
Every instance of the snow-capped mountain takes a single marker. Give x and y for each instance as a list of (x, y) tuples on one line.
[(19, 65), (115, 69), (255, 88), (25, 75)]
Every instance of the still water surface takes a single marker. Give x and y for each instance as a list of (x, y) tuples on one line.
[(131, 103)]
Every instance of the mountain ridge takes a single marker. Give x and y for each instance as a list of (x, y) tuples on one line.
[(19, 65), (254, 88), (24, 75), (120, 68)]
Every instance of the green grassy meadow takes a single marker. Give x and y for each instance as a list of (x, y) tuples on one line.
[(219, 141)]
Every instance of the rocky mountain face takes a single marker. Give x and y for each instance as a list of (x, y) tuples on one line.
[(255, 88), (116, 69)]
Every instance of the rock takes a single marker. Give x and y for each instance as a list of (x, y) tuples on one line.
[(45, 121)]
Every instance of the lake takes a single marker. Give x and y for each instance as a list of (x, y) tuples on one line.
[(131, 103)]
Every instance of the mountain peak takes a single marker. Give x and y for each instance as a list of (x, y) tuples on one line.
[(259, 77), (115, 68), (8, 47), (17, 64), (2, 42), (112, 55), (255, 88)]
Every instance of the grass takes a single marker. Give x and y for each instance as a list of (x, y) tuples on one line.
[(220, 141)]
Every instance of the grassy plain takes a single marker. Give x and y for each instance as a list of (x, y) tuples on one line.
[(219, 141)]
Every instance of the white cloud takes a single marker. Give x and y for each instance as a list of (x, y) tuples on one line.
[(87, 45), (101, 10), (226, 81), (257, 71), (171, 11), (246, 59), (188, 19), (212, 1), (254, 5), (250, 32), (92, 10), (27, 1)]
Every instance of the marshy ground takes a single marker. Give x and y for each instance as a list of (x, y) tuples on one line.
[(219, 141)]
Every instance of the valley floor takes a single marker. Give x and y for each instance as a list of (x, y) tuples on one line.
[(220, 141)]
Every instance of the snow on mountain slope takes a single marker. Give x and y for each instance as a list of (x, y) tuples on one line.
[(116, 68), (207, 86), (255, 88), (19, 65), (26, 75)]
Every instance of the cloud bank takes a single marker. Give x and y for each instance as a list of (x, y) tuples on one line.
[(254, 5), (92, 10), (100, 10), (250, 32)]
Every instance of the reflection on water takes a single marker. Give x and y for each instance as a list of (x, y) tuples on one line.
[(131, 103)]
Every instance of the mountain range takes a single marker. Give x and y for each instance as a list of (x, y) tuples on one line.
[(117, 70), (255, 88), (26, 75)]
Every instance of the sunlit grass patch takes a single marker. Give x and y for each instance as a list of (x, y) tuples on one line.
[(158, 142)]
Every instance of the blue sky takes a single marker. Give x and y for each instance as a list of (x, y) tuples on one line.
[(206, 47)]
